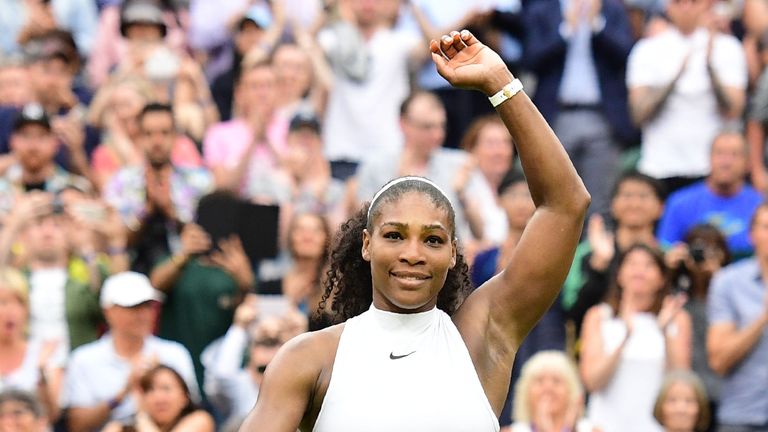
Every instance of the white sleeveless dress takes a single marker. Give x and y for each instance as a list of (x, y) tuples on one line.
[(625, 404), (404, 372)]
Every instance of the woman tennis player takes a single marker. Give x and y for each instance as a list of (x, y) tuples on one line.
[(416, 350)]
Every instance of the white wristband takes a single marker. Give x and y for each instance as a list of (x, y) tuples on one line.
[(506, 92)]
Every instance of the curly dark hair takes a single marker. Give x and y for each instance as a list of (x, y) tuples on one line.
[(348, 282)]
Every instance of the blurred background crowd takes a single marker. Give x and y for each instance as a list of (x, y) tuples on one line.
[(172, 173)]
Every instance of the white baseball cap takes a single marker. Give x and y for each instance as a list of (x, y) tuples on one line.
[(128, 289)]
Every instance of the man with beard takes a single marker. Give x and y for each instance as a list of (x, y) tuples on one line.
[(33, 146), (156, 199)]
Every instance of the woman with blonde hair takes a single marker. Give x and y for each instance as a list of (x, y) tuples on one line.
[(682, 404), (27, 365), (549, 396)]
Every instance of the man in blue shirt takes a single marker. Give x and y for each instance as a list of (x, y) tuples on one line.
[(737, 343), (722, 199)]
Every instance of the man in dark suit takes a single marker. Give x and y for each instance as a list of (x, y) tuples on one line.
[(578, 50)]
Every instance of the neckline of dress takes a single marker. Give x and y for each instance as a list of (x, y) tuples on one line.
[(404, 323)]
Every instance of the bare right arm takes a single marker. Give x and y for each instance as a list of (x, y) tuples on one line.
[(727, 345), (645, 102), (194, 240), (756, 140), (88, 418), (596, 366)]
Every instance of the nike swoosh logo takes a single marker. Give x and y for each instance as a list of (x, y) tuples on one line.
[(392, 356)]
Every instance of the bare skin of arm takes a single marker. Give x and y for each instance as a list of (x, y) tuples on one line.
[(194, 240), (678, 343), (595, 366), (495, 318), (730, 100), (728, 345), (86, 418), (756, 139)]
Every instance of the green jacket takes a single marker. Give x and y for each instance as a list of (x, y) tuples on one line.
[(81, 304)]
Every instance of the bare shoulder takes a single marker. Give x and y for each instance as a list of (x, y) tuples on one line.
[(307, 355), (113, 427), (198, 421), (320, 345), (295, 383)]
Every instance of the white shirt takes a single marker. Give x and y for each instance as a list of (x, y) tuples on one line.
[(676, 142), (27, 375), (625, 404), (47, 310), (404, 372), (96, 373), (228, 385), (363, 116)]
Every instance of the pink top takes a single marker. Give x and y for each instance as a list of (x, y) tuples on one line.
[(225, 143)]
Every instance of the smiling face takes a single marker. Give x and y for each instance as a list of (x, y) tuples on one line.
[(687, 15), (411, 248), (308, 237), (549, 391), (134, 322), (636, 205), (680, 409), (165, 397), (641, 279), (293, 70), (494, 150), (17, 416), (728, 159), (256, 89)]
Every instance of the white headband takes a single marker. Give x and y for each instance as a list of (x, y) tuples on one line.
[(400, 180)]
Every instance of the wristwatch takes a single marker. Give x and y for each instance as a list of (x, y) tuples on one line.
[(506, 92)]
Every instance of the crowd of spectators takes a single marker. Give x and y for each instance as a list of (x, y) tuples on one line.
[(173, 173)]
